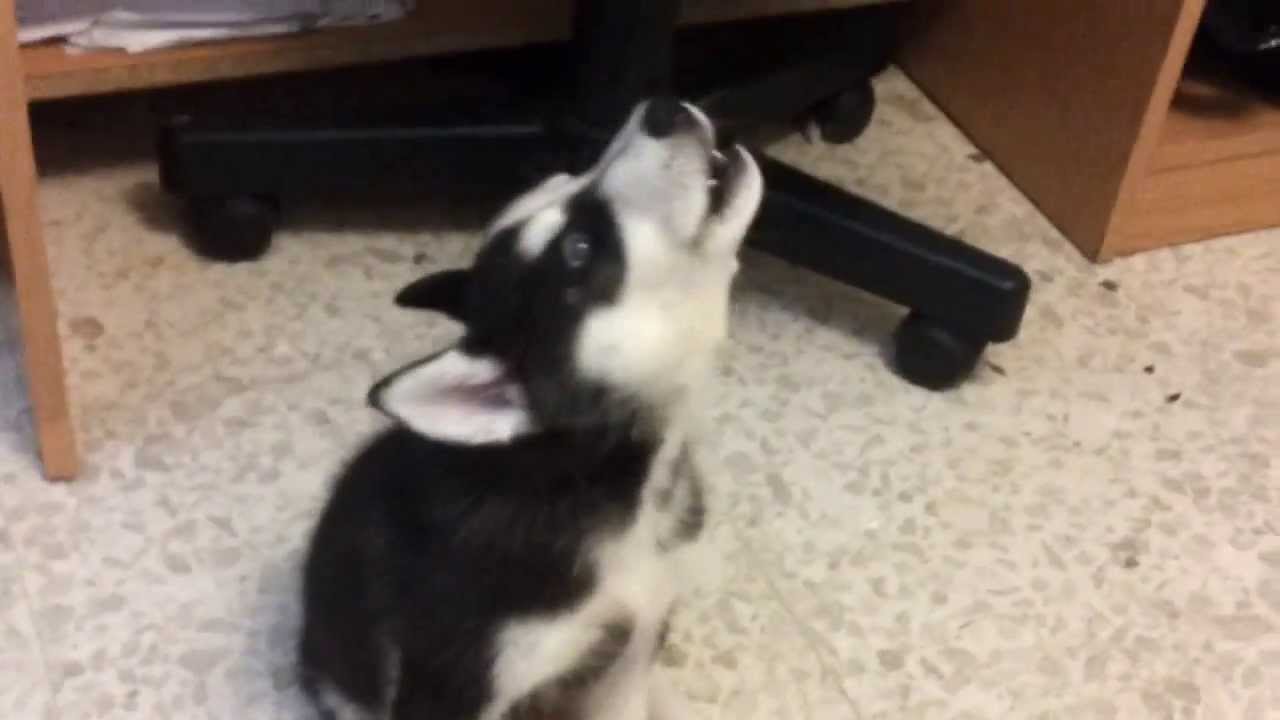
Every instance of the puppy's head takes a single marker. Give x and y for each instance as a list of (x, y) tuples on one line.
[(595, 296)]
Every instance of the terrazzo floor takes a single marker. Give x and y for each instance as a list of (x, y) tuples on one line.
[(1090, 528)]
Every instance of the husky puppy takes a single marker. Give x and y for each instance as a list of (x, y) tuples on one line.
[(509, 547)]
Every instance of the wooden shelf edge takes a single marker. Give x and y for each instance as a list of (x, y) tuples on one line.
[(1198, 202), (1208, 124), (1154, 118), (52, 72), (1211, 171)]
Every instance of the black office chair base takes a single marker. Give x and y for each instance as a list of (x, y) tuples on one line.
[(959, 298)]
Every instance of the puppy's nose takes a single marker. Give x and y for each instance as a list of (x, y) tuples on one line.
[(666, 115)]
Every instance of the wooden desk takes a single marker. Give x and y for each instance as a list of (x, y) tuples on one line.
[(1085, 106), (38, 73)]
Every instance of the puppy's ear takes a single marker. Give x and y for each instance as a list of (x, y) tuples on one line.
[(445, 292), (455, 397)]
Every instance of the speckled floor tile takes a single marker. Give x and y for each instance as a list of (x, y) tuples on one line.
[(25, 690), (1090, 528)]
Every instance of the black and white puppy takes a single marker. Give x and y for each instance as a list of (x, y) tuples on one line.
[(513, 542)]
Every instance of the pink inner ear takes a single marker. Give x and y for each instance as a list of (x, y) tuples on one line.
[(456, 397), (499, 392)]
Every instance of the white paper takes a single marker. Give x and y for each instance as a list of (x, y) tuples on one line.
[(40, 20), (141, 25), (142, 39)]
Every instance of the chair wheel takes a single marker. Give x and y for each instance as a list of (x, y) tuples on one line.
[(232, 229), (933, 356), (843, 117)]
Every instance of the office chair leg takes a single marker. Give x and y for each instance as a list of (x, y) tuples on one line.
[(843, 117), (231, 179), (960, 298)]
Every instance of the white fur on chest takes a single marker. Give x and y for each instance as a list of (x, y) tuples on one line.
[(639, 566), (633, 571), (638, 580), (639, 577)]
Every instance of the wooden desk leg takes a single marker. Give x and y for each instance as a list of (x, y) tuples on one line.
[(21, 231)]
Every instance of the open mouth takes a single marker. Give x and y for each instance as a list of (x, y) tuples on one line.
[(718, 180), (496, 392)]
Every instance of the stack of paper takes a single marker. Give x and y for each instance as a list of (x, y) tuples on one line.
[(139, 25)]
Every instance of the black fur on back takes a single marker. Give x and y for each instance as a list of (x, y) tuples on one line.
[(426, 548)]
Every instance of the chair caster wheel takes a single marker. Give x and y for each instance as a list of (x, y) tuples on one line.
[(232, 229), (843, 117), (933, 356)]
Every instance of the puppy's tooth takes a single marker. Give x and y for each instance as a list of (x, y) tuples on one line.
[(812, 133)]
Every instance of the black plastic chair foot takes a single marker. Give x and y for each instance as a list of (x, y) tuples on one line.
[(843, 117), (232, 229), (933, 356)]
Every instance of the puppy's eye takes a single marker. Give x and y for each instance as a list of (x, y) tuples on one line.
[(576, 249)]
